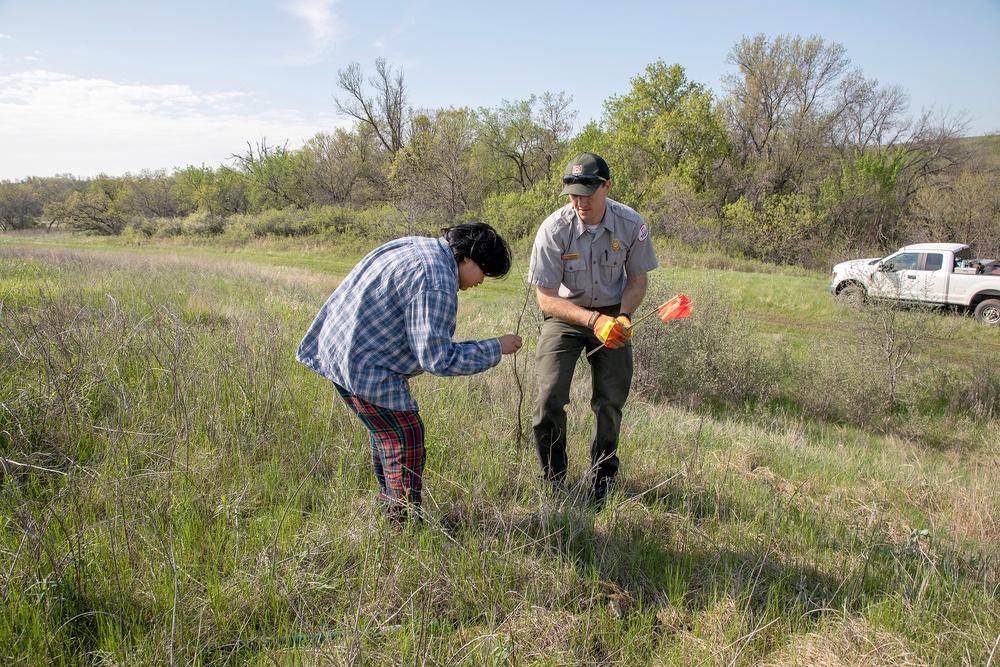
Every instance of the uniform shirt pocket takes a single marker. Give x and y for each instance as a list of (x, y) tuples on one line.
[(575, 275), (612, 266)]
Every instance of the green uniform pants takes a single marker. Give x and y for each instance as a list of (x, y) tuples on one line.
[(559, 348)]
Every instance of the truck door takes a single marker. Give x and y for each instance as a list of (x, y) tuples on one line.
[(919, 277), (931, 282), (895, 276)]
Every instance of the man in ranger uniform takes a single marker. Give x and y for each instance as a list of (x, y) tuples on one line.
[(588, 264)]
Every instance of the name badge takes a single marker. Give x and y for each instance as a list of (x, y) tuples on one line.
[(572, 255)]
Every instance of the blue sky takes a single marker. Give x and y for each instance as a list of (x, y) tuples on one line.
[(115, 86)]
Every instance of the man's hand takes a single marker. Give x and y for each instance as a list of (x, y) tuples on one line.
[(510, 343), (626, 326), (609, 331)]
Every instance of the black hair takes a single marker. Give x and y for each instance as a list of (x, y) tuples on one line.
[(480, 243)]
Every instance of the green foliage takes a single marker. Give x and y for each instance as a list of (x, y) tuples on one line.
[(801, 159), (20, 205), (276, 222), (666, 125), (516, 216), (274, 177), (859, 205), (100, 209), (779, 229), (433, 172), (346, 168), (520, 143), (206, 190)]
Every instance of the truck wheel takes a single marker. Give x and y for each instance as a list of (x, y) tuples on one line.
[(853, 295), (988, 311)]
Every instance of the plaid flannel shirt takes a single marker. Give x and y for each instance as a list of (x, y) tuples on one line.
[(392, 318)]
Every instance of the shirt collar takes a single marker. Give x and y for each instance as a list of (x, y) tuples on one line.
[(445, 248), (606, 223)]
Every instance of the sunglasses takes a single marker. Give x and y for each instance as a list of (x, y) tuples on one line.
[(589, 181)]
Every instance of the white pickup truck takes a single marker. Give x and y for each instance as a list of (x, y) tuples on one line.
[(943, 274)]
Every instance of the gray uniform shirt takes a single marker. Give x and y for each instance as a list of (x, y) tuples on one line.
[(590, 269)]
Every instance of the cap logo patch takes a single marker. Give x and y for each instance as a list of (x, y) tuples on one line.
[(643, 233), (577, 168)]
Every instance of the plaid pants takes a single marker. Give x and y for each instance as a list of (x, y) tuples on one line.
[(398, 454)]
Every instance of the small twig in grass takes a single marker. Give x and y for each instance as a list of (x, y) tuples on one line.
[(989, 660), (745, 638), (650, 490), (5, 461), (517, 376)]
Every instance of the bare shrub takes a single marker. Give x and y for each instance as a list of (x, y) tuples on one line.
[(979, 394), (949, 393), (836, 383), (890, 333), (713, 355)]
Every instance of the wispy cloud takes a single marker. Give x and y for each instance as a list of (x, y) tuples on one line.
[(323, 27), (319, 16), (56, 123)]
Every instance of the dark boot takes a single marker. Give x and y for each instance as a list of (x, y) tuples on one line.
[(602, 487)]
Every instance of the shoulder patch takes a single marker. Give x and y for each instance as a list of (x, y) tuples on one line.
[(643, 232)]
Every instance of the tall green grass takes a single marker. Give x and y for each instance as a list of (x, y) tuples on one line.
[(176, 489)]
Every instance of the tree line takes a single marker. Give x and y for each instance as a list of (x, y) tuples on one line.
[(800, 159)]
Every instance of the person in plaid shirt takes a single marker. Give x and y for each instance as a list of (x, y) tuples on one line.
[(392, 318)]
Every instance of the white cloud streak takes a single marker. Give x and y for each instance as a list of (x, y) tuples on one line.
[(54, 123), (319, 16)]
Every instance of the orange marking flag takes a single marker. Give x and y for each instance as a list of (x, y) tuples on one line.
[(678, 307)]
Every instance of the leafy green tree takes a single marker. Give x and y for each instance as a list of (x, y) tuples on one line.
[(782, 108), (516, 215), (55, 189), (20, 205), (220, 192), (149, 194), (275, 177), (778, 230), (346, 168), (434, 172), (522, 142), (859, 203), (193, 189), (665, 125), (101, 209)]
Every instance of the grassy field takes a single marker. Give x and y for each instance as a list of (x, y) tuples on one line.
[(801, 484)]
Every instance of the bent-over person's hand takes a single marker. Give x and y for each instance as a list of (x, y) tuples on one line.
[(510, 343), (609, 331)]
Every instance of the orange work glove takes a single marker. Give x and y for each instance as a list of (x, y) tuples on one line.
[(626, 326), (609, 331)]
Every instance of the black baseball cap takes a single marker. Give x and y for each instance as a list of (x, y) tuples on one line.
[(584, 174)]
